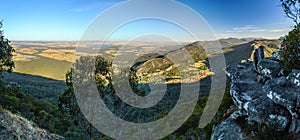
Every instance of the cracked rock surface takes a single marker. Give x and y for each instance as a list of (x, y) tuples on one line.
[(263, 96), (13, 127)]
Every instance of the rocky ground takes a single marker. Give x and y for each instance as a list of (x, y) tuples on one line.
[(268, 102), (13, 127)]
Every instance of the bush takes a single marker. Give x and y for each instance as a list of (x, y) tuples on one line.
[(44, 114), (291, 49)]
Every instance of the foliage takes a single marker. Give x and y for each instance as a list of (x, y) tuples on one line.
[(13, 98), (6, 54), (39, 87), (190, 130), (291, 49), (102, 73), (291, 9), (44, 114), (83, 71)]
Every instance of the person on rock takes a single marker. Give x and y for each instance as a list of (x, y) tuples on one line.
[(258, 56)]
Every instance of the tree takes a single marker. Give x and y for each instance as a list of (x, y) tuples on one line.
[(67, 100), (102, 75), (291, 9), (291, 51), (291, 48), (6, 54)]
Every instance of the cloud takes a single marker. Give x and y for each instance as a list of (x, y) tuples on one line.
[(247, 28), (279, 30), (253, 29), (270, 32)]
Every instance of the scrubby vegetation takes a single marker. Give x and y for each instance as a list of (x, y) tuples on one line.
[(291, 47), (39, 87), (190, 129), (291, 50), (44, 114), (68, 103)]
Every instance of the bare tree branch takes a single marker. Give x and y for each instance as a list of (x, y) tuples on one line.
[(291, 9)]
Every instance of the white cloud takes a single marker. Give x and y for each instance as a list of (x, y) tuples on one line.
[(269, 32), (280, 30), (252, 29), (247, 28)]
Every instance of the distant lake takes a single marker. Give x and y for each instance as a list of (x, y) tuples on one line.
[(28, 56)]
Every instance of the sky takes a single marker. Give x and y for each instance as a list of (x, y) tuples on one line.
[(67, 20)]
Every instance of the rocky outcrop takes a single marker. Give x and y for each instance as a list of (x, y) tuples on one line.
[(268, 69), (230, 128), (264, 97), (13, 127)]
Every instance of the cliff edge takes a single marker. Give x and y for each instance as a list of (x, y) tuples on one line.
[(268, 102)]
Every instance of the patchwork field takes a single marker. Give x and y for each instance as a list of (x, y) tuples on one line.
[(53, 59)]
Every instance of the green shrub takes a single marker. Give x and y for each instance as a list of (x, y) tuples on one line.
[(44, 114), (291, 49)]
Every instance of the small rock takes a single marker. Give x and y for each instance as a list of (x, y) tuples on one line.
[(294, 78), (278, 55), (282, 81)]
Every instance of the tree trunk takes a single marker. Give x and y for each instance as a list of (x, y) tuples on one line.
[(89, 132)]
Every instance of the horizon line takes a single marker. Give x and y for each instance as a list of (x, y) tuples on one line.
[(16, 40)]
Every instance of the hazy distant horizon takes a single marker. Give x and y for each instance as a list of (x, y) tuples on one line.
[(139, 41), (67, 20)]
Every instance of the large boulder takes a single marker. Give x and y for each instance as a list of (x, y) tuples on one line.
[(284, 91), (283, 94), (244, 86), (229, 129)]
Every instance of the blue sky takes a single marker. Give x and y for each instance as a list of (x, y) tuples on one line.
[(68, 19)]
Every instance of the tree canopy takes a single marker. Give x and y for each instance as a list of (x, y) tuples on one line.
[(83, 70), (6, 53)]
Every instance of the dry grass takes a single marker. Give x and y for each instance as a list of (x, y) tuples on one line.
[(60, 54), (27, 51)]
